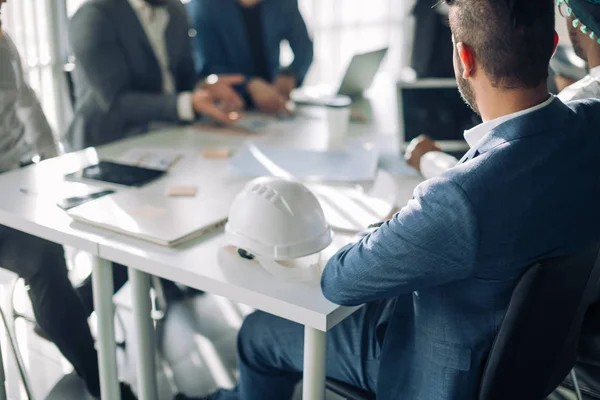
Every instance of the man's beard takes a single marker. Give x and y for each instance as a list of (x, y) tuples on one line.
[(466, 90)]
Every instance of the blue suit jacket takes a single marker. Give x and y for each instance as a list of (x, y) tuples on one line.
[(221, 44), (450, 259)]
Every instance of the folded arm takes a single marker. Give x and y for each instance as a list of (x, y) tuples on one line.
[(430, 242)]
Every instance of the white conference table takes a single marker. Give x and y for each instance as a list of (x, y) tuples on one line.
[(28, 205)]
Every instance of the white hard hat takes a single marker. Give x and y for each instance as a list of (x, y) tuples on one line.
[(277, 219)]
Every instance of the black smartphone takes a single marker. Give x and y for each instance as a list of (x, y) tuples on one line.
[(72, 202)]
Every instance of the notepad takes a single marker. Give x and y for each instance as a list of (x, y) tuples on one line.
[(157, 218)]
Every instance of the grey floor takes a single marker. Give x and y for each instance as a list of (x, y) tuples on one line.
[(196, 356)]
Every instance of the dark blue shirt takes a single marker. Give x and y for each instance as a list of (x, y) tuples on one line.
[(253, 23)]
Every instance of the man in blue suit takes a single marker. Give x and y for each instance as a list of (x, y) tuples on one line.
[(244, 37), (436, 279)]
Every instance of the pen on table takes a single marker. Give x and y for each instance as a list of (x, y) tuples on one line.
[(27, 192)]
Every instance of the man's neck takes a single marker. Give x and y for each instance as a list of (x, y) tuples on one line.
[(593, 58), (498, 103)]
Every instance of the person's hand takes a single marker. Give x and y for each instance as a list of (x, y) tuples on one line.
[(217, 99), (417, 149), (285, 84), (266, 97)]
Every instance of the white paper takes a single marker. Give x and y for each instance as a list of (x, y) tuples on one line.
[(350, 209), (356, 164), (153, 158)]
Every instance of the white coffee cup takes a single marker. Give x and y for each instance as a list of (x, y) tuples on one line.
[(338, 120)]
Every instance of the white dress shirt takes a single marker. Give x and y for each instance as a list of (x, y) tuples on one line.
[(155, 20), (24, 129), (435, 163), (586, 88)]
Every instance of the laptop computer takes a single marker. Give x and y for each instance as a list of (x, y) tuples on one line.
[(157, 218), (358, 77), (434, 107)]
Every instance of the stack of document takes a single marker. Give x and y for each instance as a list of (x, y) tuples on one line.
[(351, 209), (356, 164)]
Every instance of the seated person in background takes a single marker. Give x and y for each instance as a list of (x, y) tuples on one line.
[(583, 23), (436, 279), (431, 46), (134, 67), (244, 37), (24, 132)]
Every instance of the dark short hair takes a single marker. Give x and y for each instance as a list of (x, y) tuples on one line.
[(513, 40)]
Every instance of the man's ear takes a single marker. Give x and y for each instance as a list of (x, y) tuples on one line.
[(556, 40), (466, 57)]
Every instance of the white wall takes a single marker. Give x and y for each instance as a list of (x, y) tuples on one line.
[(561, 28)]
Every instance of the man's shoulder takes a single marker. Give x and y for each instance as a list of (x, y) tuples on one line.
[(586, 88), (587, 112), (95, 21), (95, 7)]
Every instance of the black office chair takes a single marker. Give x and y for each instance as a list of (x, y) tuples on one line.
[(536, 346), (69, 69), (348, 392), (588, 360)]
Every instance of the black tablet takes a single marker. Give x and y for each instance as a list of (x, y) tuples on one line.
[(117, 174)]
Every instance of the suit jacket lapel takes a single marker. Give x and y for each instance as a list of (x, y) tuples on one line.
[(172, 35), (131, 26)]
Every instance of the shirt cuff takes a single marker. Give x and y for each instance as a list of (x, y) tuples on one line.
[(185, 110), (435, 163)]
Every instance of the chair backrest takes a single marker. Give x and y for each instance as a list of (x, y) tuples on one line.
[(536, 346), (69, 69)]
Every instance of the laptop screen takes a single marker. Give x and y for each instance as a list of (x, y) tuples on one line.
[(436, 109)]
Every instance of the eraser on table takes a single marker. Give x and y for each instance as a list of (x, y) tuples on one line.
[(216, 153), (182, 191)]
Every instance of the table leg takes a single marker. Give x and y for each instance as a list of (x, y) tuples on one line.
[(315, 351), (2, 375), (102, 282), (144, 335)]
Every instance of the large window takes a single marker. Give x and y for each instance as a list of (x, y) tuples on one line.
[(342, 28)]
